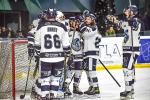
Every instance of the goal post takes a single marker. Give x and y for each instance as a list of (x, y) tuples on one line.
[(14, 65)]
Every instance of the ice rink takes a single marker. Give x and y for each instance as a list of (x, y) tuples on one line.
[(110, 90)]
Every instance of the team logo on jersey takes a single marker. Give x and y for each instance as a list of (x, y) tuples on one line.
[(76, 45)]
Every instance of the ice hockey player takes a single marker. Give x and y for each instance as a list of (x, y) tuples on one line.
[(31, 52), (130, 49), (74, 70), (51, 43), (61, 18), (132, 27), (91, 38)]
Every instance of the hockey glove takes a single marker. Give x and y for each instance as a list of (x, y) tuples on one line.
[(126, 36), (30, 51), (70, 62)]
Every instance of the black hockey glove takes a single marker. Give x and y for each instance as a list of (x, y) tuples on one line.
[(30, 51), (70, 61)]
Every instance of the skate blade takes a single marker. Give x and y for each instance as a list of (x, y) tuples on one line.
[(70, 96), (77, 95), (96, 96), (128, 97)]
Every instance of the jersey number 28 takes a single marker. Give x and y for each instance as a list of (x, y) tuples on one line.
[(52, 41)]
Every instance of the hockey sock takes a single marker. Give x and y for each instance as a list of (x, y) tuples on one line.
[(129, 80), (77, 77), (94, 79)]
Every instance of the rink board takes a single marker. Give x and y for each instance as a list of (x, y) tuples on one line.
[(111, 53)]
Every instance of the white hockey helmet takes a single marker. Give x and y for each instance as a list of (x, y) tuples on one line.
[(35, 22), (59, 16)]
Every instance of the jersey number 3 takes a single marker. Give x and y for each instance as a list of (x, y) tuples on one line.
[(51, 41)]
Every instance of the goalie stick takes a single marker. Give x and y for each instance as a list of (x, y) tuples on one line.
[(22, 96)]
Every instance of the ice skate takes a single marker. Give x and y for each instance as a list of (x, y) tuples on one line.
[(47, 97), (126, 95), (76, 90), (89, 89), (95, 92), (67, 92), (57, 95)]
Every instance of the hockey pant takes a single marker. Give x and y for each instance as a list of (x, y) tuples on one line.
[(89, 65), (74, 72), (50, 78), (129, 60)]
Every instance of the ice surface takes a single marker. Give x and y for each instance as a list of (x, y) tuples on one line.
[(110, 90)]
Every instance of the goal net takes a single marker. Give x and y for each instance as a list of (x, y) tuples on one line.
[(14, 63)]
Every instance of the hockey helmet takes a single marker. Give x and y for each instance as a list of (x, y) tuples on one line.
[(85, 12), (35, 22), (134, 9), (42, 14), (59, 16), (72, 18), (51, 13), (93, 17)]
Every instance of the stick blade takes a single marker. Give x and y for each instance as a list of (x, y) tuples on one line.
[(22, 96)]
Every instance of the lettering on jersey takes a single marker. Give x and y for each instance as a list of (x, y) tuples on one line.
[(76, 44), (51, 29)]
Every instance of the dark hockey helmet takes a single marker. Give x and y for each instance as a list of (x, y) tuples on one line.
[(91, 15), (85, 12), (79, 18), (51, 13), (42, 14), (72, 18), (134, 9)]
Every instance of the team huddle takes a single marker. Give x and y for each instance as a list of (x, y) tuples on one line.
[(65, 48)]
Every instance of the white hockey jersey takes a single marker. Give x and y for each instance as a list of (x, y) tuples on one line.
[(76, 45), (92, 40), (52, 40), (132, 35)]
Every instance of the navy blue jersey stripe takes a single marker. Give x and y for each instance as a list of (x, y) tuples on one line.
[(51, 54)]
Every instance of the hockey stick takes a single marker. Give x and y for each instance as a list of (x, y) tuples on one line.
[(36, 67), (22, 96), (109, 73)]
